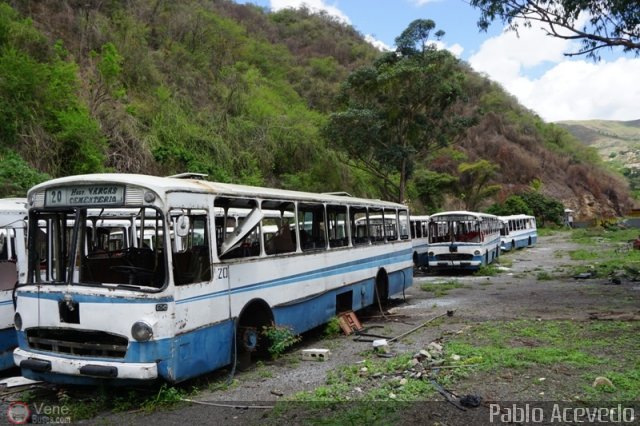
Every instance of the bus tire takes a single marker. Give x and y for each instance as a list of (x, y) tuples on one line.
[(381, 291), (250, 343)]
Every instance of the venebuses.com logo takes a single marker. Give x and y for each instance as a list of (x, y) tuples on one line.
[(19, 413)]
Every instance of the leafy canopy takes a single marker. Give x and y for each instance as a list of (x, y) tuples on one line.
[(597, 24), (395, 111)]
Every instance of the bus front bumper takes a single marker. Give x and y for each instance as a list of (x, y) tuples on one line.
[(56, 365)]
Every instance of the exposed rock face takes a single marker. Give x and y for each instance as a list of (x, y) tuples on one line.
[(592, 192)]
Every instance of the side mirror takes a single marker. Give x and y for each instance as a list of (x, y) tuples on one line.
[(182, 226)]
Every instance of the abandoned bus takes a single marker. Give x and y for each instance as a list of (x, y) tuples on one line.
[(13, 267), (199, 298), (420, 240), (463, 240), (518, 231)]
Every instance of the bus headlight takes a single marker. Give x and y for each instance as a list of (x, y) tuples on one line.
[(149, 197), (430, 253), (17, 321), (141, 331), (476, 253)]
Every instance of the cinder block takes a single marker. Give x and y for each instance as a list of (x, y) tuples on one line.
[(315, 354)]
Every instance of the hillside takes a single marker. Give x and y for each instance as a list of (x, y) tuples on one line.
[(243, 95), (617, 142)]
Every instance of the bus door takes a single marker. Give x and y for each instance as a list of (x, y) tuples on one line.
[(202, 320)]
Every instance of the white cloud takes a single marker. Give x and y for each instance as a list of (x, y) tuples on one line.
[(314, 5), (568, 89), (378, 44), (455, 49), (423, 2)]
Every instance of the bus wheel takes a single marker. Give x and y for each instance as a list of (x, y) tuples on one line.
[(250, 343), (382, 288)]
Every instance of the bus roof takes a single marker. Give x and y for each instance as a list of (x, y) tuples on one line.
[(476, 215), (516, 216), (12, 210), (163, 185)]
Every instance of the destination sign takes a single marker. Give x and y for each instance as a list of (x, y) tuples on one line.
[(85, 195)]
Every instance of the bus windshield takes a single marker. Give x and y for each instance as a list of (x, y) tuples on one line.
[(112, 247)]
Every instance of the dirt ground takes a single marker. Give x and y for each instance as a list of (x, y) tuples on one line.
[(517, 292)]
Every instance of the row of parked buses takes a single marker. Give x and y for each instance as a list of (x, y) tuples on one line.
[(133, 277), (467, 240)]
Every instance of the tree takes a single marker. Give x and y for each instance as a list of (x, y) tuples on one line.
[(475, 183), (545, 209), (396, 111), (512, 205), (609, 23)]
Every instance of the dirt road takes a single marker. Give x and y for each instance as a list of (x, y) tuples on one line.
[(537, 284)]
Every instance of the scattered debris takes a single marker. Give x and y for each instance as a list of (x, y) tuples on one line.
[(615, 316), (349, 322), (19, 381), (420, 326), (471, 401), (449, 396), (381, 346), (585, 275), (602, 381), (315, 354)]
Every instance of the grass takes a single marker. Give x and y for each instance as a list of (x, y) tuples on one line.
[(442, 288), (487, 270), (543, 276), (79, 403), (371, 392), (376, 391), (594, 348)]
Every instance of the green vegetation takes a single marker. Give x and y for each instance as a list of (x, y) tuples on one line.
[(250, 97), (547, 210), (279, 338), (374, 391), (487, 270), (614, 255), (393, 111), (441, 289), (332, 328), (591, 349)]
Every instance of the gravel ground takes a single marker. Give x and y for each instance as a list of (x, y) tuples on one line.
[(515, 293)]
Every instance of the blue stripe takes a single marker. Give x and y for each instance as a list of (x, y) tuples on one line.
[(8, 342), (305, 276), (6, 302), (92, 298), (355, 265)]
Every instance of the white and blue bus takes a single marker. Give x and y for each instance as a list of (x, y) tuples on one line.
[(200, 297), (518, 231), (13, 268), (420, 240), (463, 240)]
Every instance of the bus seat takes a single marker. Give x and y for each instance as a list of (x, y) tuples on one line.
[(8, 274)]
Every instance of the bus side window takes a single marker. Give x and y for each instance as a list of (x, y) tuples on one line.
[(192, 264), (311, 225), (359, 228), (337, 218)]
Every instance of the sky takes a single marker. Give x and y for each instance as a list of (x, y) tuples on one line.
[(530, 65)]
